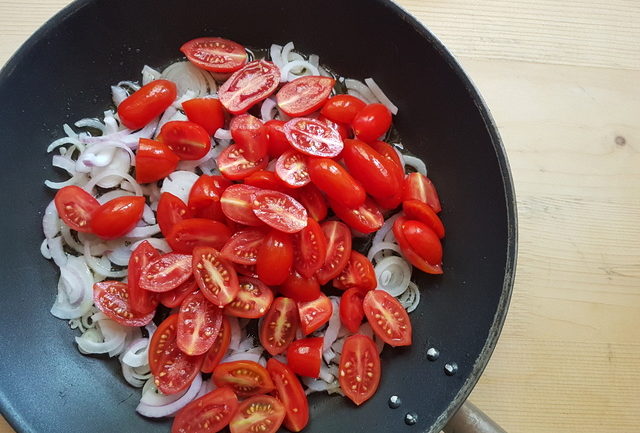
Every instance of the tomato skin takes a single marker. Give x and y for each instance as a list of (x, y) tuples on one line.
[(264, 179), (187, 234), (358, 273), (278, 143), (332, 179), (304, 95), (351, 309), (313, 137), (204, 197), (387, 151), (338, 238), (111, 297), (171, 209), (305, 356), (209, 413), (246, 378), (299, 288), (173, 298), (154, 161), (250, 135), (243, 246), (249, 85), (342, 108), (279, 326), (314, 314), (291, 168), (206, 112), (117, 217), (395, 329), (371, 122), (237, 204), (417, 210), (147, 103), (140, 301), (166, 272), (187, 139), (246, 270), (275, 258), (376, 174), (419, 187), (311, 249), (234, 165), (260, 413), (76, 206), (215, 276), (252, 301), (289, 391), (215, 54), (365, 219), (313, 201), (413, 256), (219, 348), (343, 130), (279, 210), (423, 241), (389, 202), (198, 324), (359, 359)]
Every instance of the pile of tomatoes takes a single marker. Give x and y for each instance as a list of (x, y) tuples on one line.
[(256, 243)]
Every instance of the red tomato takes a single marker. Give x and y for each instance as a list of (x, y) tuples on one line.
[(429, 247), (206, 112), (141, 301), (291, 167), (389, 202), (304, 95), (417, 210), (313, 201), (246, 270), (371, 122), (343, 130), (275, 258), (279, 210), (358, 273), (279, 326), (261, 413), (264, 179), (198, 324), (289, 391), (215, 54), (359, 368), (300, 288), (76, 206), (243, 246), (338, 238), (237, 204), (305, 356), (351, 309), (111, 297), (249, 85), (386, 150), (342, 108), (418, 187), (187, 234), (252, 301), (365, 219), (188, 140), (250, 135), (204, 197), (278, 143), (209, 413), (314, 314), (215, 276), (171, 210), (246, 378), (387, 318), (219, 348), (173, 298), (313, 137), (311, 249), (166, 272), (376, 173), (117, 217), (234, 165), (147, 103), (173, 369), (332, 179), (154, 161)]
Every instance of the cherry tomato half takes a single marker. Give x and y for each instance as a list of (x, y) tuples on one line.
[(215, 276), (147, 103), (260, 413), (234, 165), (75, 206), (187, 234), (117, 217), (166, 272), (291, 167), (375, 172), (237, 204), (387, 318), (314, 314), (279, 210), (313, 137), (313, 201), (304, 95), (359, 368), (289, 391), (417, 210), (219, 348), (215, 54), (264, 179), (335, 181), (252, 301), (338, 238), (428, 255), (154, 161), (371, 122), (275, 258), (141, 301), (204, 197), (278, 143), (209, 413), (246, 378), (342, 108), (300, 288), (173, 298), (419, 187), (198, 324), (111, 297), (305, 356), (249, 85), (188, 140), (243, 246), (358, 273), (171, 209), (250, 135), (351, 309), (206, 112), (311, 249), (366, 218), (279, 326)]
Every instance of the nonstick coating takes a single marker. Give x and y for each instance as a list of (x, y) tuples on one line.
[(63, 73)]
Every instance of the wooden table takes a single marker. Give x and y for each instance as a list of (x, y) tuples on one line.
[(562, 79)]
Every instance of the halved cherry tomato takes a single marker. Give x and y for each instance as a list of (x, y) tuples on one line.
[(338, 238), (249, 85), (314, 314), (252, 301), (244, 377), (112, 299), (206, 112), (417, 210), (342, 108), (387, 318), (234, 165), (389, 202), (219, 348), (173, 369), (289, 391), (215, 54), (386, 150), (215, 276), (291, 167), (279, 210), (305, 356), (75, 206), (304, 95), (204, 197), (154, 161), (278, 143), (147, 103), (311, 249), (173, 298), (237, 204), (366, 218), (351, 309), (246, 270), (198, 324), (166, 272), (266, 180), (419, 187), (243, 246), (117, 217), (371, 122), (428, 255), (335, 181), (358, 273), (375, 172), (313, 201), (171, 209), (250, 135), (300, 288), (187, 234), (188, 140), (275, 258), (210, 413), (260, 413), (359, 368), (279, 326), (141, 301), (343, 130), (313, 137)]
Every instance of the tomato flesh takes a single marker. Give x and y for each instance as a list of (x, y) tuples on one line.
[(332, 179), (338, 238), (234, 164), (250, 135), (166, 272), (171, 209), (261, 413), (279, 210), (215, 276), (154, 161), (371, 122), (351, 309), (266, 180), (117, 217), (342, 108), (275, 258), (279, 326), (246, 378), (206, 112), (419, 187), (305, 356), (291, 167), (366, 218), (75, 206), (359, 368), (304, 95), (219, 348), (252, 301), (375, 172), (313, 137), (204, 197), (111, 297), (313, 201), (426, 241), (249, 85), (173, 298), (237, 204), (147, 103), (210, 413), (188, 140), (243, 246), (278, 143), (187, 234), (417, 210), (198, 324), (300, 288), (387, 318), (289, 391), (314, 314), (358, 273), (141, 301), (311, 250), (215, 54)]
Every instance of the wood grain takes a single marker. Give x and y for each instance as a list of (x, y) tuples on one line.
[(561, 79)]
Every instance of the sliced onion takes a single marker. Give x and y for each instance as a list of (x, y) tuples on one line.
[(134, 377), (109, 178), (331, 333), (110, 195), (65, 140), (100, 267), (386, 228), (118, 94), (242, 356), (410, 298), (235, 333), (314, 60), (50, 221), (222, 134), (170, 409), (152, 396), (157, 243), (75, 279), (206, 387), (44, 249), (267, 109), (416, 163), (276, 55), (287, 75), (149, 74), (362, 89), (57, 251), (365, 329), (286, 50), (380, 96), (143, 232), (136, 354), (130, 84), (379, 247), (325, 375), (88, 344), (120, 256), (393, 275), (76, 179), (102, 153), (64, 163), (179, 183), (189, 77)]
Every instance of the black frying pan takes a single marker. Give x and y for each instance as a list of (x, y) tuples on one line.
[(62, 73)]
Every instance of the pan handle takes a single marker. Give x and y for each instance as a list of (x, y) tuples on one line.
[(470, 419)]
